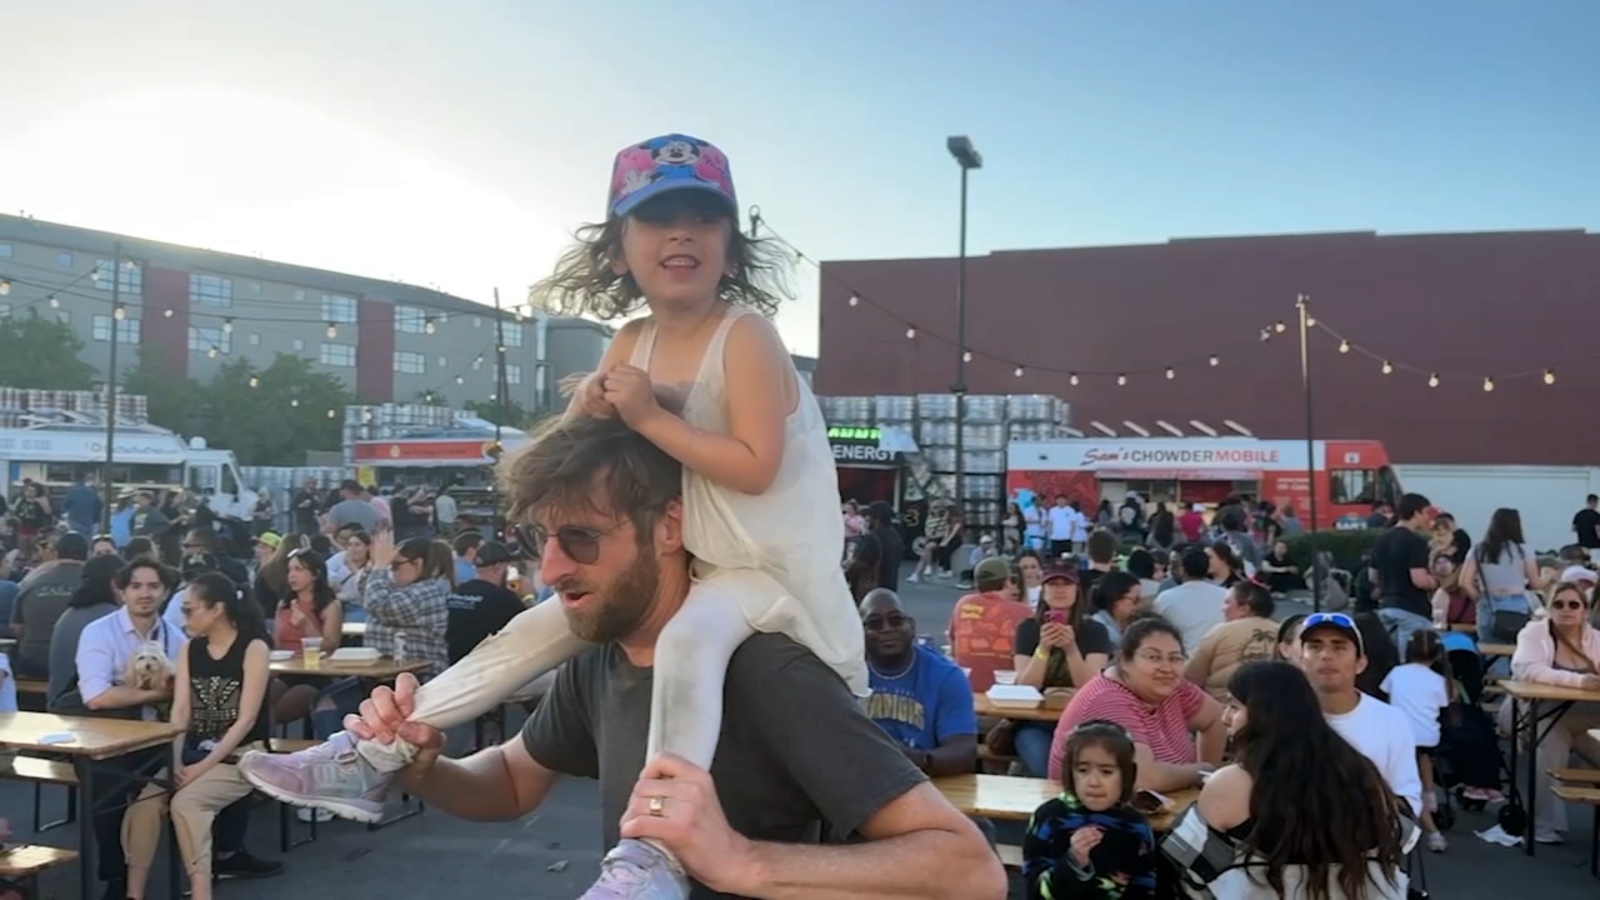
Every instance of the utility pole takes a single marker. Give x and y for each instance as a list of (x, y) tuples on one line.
[(117, 315), (500, 406)]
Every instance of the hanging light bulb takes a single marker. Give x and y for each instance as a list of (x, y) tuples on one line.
[(1549, 376), (1171, 374), (1433, 380), (1214, 361), (1122, 380), (1018, 372), (477, 363), (500, 350), (227, 326), (54, 302), (5, 286), (255, 382), (294, 403), (1266, 335), (1344, 346), (168, 314), (427, 325), (1073, 379), (911, 332), (460, 380), (854, 300), (331, 413), (119, 313), (1488, 384), (1279, 327), (95, 275), (1387, 369), (333, 330), (212, 353), (1310, 322), (967, 356)]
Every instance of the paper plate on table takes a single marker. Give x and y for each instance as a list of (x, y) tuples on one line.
[(354, 655), (280, 655), (1014, 696)]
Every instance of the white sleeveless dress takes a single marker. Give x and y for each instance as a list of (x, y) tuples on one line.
[(793, 532)]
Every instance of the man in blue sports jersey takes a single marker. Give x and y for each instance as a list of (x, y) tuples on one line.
[(919, 697)]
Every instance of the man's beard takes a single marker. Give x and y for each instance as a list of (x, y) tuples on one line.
[(622, 605)]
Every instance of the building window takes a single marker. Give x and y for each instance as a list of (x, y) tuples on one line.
[(513, 374), (341, 355), (477, 321), (131, 276), (5, 251), (127, 330), (541, 334), (410, 319), (299, 295), (444, 361), (299, 345), (255, 339), (64, 260), (538, 381), (513, 333), (204, 340), (408, 363), (255, 288), (210, 290), (338, 308)]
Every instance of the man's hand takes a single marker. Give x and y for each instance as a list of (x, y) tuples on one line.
[(691, 823), (383, 718)]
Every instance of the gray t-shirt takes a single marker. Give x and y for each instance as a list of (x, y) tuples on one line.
[(41, 601), (1506, 575), (795, 752), (64, 649), (354, 512)]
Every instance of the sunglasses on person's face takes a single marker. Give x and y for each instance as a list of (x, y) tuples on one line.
[(1566, 604), (892, 621), (577, 543)]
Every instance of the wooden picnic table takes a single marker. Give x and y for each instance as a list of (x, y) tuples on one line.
[(1533, 694), (1014, 798), (981, 705), (93, 740), (382, 668)]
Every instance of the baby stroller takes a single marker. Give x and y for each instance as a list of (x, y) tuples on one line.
[(1468, 756)]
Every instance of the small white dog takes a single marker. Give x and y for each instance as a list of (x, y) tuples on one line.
[(148, 669)]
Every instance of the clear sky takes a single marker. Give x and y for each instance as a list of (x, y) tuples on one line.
[(454, 142)]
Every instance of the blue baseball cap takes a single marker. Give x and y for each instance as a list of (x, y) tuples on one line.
[(672, 162)]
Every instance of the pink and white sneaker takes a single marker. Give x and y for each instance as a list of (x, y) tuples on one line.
[(634, 870)]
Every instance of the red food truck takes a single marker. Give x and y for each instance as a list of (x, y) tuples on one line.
[(1350, 476)]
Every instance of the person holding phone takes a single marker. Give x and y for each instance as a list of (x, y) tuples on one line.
[(1059, 647)]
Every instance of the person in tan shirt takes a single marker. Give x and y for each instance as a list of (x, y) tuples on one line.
[(1247, 634)]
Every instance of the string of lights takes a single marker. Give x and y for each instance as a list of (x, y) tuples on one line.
[(1387, 364)]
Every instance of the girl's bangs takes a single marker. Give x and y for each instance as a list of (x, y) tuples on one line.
[(675, 205)]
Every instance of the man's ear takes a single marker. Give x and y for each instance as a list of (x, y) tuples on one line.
[(1361, 664), (669, 528)]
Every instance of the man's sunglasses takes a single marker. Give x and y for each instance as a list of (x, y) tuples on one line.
[(579, 544)]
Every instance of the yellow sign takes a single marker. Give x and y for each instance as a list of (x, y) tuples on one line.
[(367, 475)]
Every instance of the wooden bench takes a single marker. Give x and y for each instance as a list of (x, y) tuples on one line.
[(1010, 856), (32, 687), (41, 772), (1590, 777), (1589, 796), (26, 862)]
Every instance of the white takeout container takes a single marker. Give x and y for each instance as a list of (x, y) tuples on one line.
[(1014, 696), (354, 654)]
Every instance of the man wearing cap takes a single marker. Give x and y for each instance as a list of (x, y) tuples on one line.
[(1332, 654), (482, 605), (983, 626), (42, 598)]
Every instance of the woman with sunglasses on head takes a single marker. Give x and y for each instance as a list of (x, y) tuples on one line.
[(1299, 815), (1563, 650), (406, 600), (307, 610)]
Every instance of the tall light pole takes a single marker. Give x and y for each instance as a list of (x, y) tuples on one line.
[(117, 315), (1302, 305), (966, 156), (502, 402)]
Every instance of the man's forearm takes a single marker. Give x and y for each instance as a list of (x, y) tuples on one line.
[(930, 864), (478, 788), (121, 697)]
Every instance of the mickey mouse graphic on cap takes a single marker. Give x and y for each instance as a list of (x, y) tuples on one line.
[(671, 162)]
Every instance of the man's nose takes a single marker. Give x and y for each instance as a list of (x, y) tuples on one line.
[(554, 564)]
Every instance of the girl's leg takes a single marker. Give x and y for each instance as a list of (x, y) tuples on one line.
[(533, 643), (691, 665), (141, 833), (194, 809)]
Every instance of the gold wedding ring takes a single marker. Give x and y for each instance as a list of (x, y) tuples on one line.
[(658, 806)]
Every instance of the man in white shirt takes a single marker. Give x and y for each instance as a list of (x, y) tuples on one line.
[(1332, 654), (1061, 527), (1194, 606)]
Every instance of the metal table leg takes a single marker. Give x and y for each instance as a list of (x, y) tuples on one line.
[(1532, 801), (86, 844)]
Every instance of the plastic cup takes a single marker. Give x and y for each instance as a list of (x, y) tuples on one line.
[(311, 652), (1005, 676)]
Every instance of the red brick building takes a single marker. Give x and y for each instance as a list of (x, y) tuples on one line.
[(1469, 306)]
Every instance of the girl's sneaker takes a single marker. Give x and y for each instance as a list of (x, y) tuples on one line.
[(1436, 842), (330, 776), (634, 870)]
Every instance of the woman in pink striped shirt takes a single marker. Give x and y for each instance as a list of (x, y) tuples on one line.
[(1146, 693)]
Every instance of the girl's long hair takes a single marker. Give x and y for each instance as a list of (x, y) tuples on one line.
[(212, 588), (275, 572), (1317, 802), (1505, 531), (99, 574), (322, 593), (585, 282)]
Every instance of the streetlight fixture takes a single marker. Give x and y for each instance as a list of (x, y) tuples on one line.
[(968, 158)]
